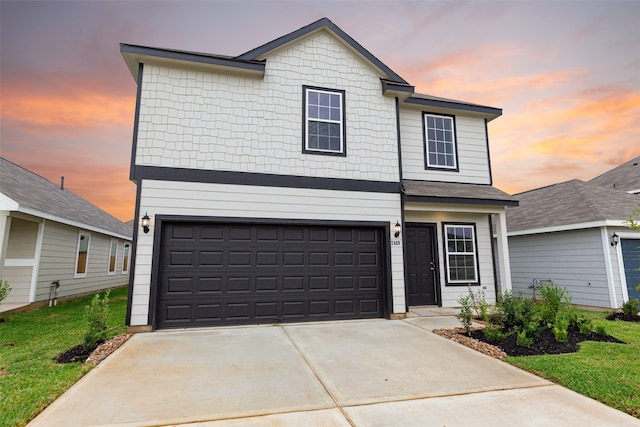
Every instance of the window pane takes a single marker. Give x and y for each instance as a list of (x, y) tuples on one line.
[(335, 114), (334, 144), (313, 128), (335, 101), (432, 159), (324, 99), (313, 111), (324, 143), (323, 113), (334, 129), (447, 124), (323, 129), (313, 141), (439, 123)]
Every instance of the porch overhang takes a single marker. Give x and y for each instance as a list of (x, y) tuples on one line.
[(455, 193)]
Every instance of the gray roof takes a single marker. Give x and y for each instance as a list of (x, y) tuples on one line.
[(435, 101), (40, 195), (625, 177), (568, 203), (448, 192)]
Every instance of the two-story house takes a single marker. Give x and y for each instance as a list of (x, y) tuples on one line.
[(304, 180)]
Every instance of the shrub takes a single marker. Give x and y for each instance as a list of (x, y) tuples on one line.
[(466, 313), (523, 340), (5, 289), (561, 329), (96, 314), (480, 304), (508, 305), (630, 308), (585, 326), (601, 330), (493, 332), (554, 300)]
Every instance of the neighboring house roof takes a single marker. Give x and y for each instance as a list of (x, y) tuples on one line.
[(625, 177), (447, 192), (568, 203), (27, 192), (254, 61)]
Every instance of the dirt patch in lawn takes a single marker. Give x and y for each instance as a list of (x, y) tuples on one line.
[(625, 317)]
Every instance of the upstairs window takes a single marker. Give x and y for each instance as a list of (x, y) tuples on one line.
[(82, 255), (460, 245), (440, 142), (323, 126)]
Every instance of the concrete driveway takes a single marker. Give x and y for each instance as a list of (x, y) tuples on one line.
[(348, 373)]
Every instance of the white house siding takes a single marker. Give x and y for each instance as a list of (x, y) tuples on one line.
[(473, 159), (58, 258), (19, 260), (204, 120), (450, 294), (220, 200), (572, 259)]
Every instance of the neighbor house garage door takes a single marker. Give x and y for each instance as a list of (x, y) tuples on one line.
[(631, 259), (220, 274)]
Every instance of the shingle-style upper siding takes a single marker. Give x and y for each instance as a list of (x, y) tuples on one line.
[(473, 159), (204, 120)]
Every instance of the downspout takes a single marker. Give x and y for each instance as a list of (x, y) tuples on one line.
[(493, 257)]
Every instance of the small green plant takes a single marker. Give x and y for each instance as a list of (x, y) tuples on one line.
[(555, 300), (630, 308), (561, 329), (5, 289), (523, 340), (96, 314), (508, 306), (585, 326), (601, 330), (466, 312), (493, 333), (480, 304)]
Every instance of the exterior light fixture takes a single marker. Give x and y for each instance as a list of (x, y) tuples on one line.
[(396, 229), (145, 223), (615, 239)]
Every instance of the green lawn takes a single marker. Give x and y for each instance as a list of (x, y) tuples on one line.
[(606, 372), (29, 377)]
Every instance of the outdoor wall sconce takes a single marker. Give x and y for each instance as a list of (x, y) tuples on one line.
[(615, 239), (145, 223), (397, 228)]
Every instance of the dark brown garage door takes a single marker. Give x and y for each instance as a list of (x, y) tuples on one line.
[(222, 274)]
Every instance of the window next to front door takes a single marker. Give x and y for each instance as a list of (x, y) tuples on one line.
[(323, 125), (461, 254)]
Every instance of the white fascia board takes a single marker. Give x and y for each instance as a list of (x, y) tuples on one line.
[(634, 191), (61, 220), (461, 208), (568, 227), (8, 204)]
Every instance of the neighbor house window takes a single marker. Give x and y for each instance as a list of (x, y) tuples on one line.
[(460, 245), (113, 253), (323, 126), (82, 255), (440, 142), (125, 258)]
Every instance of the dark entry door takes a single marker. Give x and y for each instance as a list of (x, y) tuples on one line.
[(631, 258), (421, 264)]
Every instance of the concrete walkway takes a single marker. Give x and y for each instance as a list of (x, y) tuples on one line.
[(349, 373)]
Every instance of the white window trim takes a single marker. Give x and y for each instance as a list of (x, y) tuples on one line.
[(77, 275), (454, 142), (115, 263), (342, 150), (475, 254), (128, 257)]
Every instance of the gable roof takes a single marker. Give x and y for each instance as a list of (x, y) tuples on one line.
[(568, 203), (323, 23), (27, 192), (625, 177)]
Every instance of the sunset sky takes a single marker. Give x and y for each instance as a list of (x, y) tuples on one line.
[(566, 74)]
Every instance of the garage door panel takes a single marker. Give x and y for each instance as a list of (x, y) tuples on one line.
[(218, 274)]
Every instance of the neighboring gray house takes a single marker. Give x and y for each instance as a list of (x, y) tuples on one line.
[(48, 234), (574, 234), (304, 180)]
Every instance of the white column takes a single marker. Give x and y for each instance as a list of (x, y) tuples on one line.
[(5, 227), (503, 252), (36, 262)]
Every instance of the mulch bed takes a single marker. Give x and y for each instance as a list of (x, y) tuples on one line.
[(104, 349), (625, 317)]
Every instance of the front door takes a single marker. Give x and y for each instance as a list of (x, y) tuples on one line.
[(421, 264), (631, 259)]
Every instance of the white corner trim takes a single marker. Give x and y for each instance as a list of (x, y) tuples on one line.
[(76, 224), (568, 227), (606, 248), (36, 261), (622, 273)]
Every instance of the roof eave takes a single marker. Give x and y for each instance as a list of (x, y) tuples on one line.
[(489, 112), (462, 200), (134, 54)]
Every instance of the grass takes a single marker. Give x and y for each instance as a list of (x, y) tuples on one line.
[(29, 377), (606, 372)]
